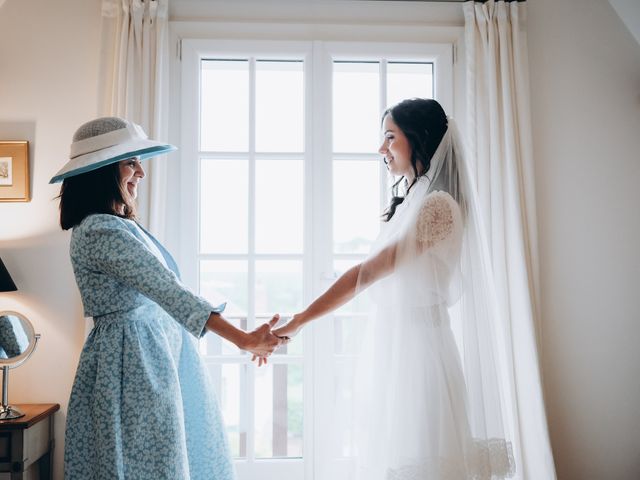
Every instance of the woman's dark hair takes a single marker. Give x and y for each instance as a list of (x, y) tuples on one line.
[(98, 191), (424, 123)]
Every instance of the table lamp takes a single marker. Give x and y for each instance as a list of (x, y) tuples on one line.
[(17, 342), (6, 283)]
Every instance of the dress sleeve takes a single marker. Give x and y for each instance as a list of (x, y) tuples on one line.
[(435, 222), (431, 233), (111, 248)]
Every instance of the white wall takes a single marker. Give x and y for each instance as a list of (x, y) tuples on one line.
[(48, 87), (585, 84)]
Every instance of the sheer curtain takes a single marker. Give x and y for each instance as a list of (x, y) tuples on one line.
[(134, 75), (499, 134)]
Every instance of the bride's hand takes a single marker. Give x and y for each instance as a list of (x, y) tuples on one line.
[(284, 334), (290, 329)]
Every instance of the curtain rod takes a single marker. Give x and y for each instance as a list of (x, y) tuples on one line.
[(423, 1)]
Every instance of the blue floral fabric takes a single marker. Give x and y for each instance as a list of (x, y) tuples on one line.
[(142, 405)]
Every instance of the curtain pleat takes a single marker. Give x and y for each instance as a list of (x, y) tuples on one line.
[(499, 131), (133, 82)]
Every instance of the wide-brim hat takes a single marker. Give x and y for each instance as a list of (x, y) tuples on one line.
[(121, 139)]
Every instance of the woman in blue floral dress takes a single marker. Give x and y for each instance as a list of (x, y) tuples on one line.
[(142, 406)]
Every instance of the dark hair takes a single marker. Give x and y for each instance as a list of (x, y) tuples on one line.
[(97, 191), (424, 123)]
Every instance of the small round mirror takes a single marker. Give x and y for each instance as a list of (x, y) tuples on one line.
[(17, 342), (16, 338)]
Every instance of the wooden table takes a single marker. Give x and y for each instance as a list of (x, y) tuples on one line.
[(26, 443)]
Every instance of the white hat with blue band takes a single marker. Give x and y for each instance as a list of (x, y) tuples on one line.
[(108, 140)]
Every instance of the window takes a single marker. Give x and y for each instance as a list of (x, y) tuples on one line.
[(282, 190)]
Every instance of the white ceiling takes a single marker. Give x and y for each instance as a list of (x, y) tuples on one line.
[(629, 12)]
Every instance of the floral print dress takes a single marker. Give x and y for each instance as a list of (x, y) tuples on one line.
[(142, 405)]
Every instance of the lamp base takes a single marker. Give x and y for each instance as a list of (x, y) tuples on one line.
[(7, 412)]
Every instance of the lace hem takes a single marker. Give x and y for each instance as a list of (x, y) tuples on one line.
[(490, 459)]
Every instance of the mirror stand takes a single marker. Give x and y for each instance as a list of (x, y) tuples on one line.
[(7, 412), (17, 342)]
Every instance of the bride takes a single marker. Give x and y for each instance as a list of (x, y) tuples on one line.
[(428, 404)]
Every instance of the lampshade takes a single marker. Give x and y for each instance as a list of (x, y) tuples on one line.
[(6, 283)]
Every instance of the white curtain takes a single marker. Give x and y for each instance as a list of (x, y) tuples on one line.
[(134, 76), (499, 134)]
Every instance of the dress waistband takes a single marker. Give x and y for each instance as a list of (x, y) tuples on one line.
[(119, 317)]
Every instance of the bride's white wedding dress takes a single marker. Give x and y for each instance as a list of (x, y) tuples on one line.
[(411, 403), (426, 407)]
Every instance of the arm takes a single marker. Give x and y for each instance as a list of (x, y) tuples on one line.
[(433, 225), (260, 342), (108, 246), (343, 290)]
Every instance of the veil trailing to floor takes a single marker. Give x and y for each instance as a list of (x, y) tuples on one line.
[(429, 388)]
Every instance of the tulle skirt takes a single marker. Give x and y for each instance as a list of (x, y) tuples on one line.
[(409, 404)]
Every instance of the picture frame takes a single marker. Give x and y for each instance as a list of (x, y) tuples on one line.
[(14, 171)]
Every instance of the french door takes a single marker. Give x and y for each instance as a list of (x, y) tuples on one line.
[(281, 191)]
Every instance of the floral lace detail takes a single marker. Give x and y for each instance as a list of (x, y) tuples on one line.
[(489, 460), (440, 469), (435, 220), (492, 458)]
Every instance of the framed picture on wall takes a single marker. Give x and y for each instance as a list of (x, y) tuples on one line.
[(14, 171)]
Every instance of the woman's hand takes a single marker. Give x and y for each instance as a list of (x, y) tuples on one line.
[(261, 341), (291, 329), (284, 333)]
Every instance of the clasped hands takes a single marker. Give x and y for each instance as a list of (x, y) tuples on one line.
[(264, 340)]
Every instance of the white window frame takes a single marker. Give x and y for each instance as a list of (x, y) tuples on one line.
[(193, 51), (441, 55), (317, 256)]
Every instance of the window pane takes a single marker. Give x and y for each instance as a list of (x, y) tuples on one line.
[(356, 205), (356, 107), (224, 114), (279, 106), (279, 411), (343, 422), (279, 201), (229, 381), (408, 80), (224, 191), (279, 290), (278, 287), (225, 281)]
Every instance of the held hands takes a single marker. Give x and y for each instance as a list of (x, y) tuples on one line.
[(291, 329), (261, 342), (284, 334)]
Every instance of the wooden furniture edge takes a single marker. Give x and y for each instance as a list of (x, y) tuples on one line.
[(33, 413)]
